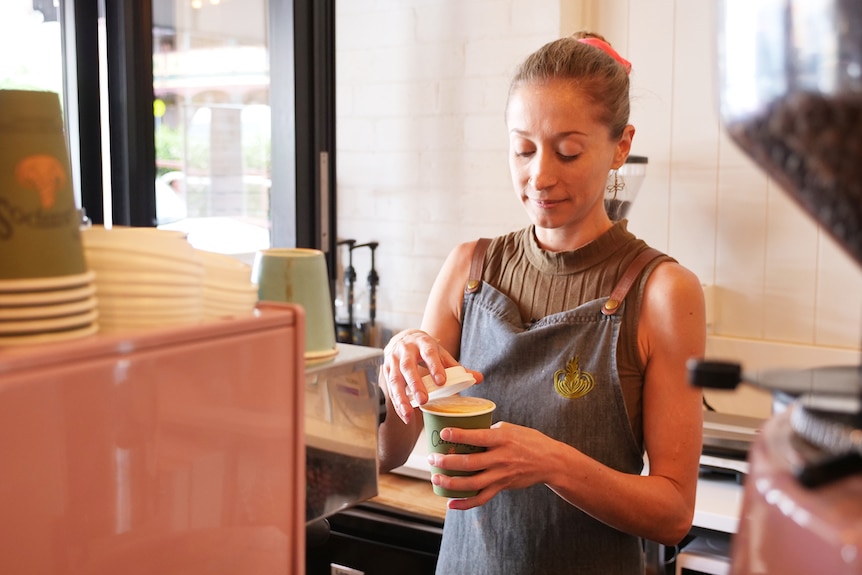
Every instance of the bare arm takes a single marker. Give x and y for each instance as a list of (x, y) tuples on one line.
[(659, 506), (413, 353)]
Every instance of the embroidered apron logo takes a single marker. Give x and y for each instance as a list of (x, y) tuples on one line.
[(571, 382)]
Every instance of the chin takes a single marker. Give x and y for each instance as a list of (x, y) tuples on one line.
[(544, 220)]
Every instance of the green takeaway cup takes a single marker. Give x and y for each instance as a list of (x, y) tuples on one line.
[(460, 412)]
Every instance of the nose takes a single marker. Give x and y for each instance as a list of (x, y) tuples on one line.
[(542, 170)]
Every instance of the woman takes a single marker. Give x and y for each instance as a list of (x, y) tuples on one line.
[(573, 299)]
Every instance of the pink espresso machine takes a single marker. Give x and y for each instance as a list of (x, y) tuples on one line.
[(172, 451), (208, 449), (790, 78)]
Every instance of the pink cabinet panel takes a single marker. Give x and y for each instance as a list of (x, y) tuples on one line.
[(173, 451)]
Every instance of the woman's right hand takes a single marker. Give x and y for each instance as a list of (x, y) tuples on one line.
[(412, 353), (407, 357)]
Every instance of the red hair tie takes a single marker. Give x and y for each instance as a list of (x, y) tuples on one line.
[(605, 47)]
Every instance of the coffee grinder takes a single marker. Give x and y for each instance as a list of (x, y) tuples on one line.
[(790, 89)]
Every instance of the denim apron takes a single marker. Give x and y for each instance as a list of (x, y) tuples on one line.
[(558, 376)]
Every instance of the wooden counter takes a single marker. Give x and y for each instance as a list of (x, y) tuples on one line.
[(409, 494)]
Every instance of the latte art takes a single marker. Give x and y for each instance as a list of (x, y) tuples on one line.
[(456, 405)]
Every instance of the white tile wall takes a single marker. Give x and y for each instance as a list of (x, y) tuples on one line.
[(422, 159)]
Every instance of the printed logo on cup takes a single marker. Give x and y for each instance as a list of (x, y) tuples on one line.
[(39, 222), (439, 444), (43, 174)]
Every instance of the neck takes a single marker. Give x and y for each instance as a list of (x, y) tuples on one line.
[(565, 239)]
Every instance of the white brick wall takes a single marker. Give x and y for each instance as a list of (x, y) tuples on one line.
[(422, 158)]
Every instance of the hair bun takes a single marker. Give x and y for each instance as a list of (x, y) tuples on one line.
[(608, 49)]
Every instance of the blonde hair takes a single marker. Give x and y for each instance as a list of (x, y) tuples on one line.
[(592, 71)]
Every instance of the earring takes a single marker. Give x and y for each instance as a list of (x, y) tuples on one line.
[(618, 186)]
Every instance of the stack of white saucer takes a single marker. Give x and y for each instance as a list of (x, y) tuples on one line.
[(145, 277), (42, 310), (227, 288)]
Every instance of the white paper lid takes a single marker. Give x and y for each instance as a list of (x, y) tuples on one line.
[(457, 380)]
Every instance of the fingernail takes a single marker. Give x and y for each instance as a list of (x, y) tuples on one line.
[(440, 379)]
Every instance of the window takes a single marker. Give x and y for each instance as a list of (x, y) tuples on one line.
[(213, 122), (176, 108), (30, 30)]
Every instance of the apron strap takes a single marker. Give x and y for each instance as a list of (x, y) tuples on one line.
[(628, 278), (477, 266)]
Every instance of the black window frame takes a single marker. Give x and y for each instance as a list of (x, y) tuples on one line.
[(302, 96)]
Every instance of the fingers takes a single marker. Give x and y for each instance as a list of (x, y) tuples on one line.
[(396, 388), (404, 357), (478, 437), (476, 461), (511, 460), (480, 482), (437, 359), (458, 462), (484, 496), (477, 375)]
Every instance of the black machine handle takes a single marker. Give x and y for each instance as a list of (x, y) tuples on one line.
[(714, 374)]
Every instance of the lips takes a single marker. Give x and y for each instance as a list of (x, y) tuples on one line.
[(546, 204)]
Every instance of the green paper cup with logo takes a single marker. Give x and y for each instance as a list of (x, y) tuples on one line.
[(39, 222), (455, 411)]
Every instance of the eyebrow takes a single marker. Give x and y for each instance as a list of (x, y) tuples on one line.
[(560, 135)]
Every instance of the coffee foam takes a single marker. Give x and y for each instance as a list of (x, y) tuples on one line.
[(458, 405)]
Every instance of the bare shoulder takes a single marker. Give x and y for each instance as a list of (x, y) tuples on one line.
[(463, 253), (447, 293), (672, 284), (456, 268), (673, 315)]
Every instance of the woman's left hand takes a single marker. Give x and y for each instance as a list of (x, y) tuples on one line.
[(514, 459)]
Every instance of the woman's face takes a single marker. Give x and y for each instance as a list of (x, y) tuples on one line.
[(559, 157)]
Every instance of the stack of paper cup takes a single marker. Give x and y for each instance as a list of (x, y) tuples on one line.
[(227, 287), (145, 277), (45, 310), (46, 291)]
